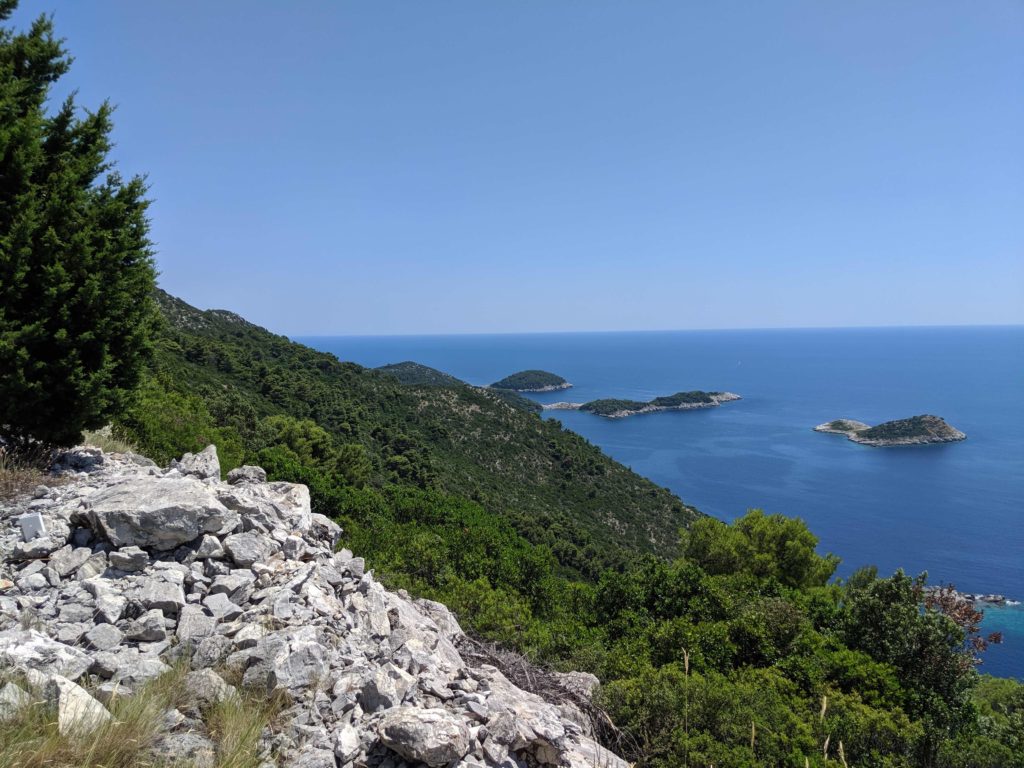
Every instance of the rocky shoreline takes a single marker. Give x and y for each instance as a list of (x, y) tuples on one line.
[(546, 388), (916, 430), (718, 399), (977, 597), (123, 568)]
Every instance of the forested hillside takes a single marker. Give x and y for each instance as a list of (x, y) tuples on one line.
[(552, 485), (729, 645)]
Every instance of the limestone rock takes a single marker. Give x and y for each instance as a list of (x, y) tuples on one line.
[(248, 548), (104, 637), (32, 650), (432, 736), (77, 711), (204, 465), (129, 559), (157, 513), (12, 699), (247, 474)]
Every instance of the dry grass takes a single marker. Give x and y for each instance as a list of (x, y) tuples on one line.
[(236, 724), (22, 470), (108, 440), (30, 738)]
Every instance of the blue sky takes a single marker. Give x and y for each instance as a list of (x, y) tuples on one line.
[(536, 165)]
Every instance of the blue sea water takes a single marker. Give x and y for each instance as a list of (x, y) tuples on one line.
[(954, 510)]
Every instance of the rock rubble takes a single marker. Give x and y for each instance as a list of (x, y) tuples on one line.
[(137, 567)]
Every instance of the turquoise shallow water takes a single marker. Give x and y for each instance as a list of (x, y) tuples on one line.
[(954, 510)]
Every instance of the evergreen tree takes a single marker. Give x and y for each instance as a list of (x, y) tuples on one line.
[(76, 270)]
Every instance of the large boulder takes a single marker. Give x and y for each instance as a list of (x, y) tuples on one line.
[(158, 513), (30, 650), (77, 711), (205, 465), (266, 507), (432, 736)]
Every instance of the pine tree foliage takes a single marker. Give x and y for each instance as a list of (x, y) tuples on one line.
[(76, 270)]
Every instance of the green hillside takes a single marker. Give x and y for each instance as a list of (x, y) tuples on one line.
[(553, 485), (416, 374)]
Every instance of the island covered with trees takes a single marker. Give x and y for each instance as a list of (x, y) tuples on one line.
[(532, 381), (613, 408), (917, 430)]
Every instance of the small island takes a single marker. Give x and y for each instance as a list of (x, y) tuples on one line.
[(612, 408), (917, 430), (532, 381)]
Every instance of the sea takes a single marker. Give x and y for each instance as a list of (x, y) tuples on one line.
[(954, 510)]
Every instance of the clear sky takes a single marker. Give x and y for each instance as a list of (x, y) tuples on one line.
[(532, 165)]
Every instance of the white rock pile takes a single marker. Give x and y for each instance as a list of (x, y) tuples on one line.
[(124, 568)]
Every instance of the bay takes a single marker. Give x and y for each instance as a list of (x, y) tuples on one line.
[(953, 510)]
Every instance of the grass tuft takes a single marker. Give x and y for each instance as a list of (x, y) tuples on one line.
[(30, 739), (108, 441), (21, 470)]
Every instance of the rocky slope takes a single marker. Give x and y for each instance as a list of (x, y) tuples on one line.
[(124, 568)]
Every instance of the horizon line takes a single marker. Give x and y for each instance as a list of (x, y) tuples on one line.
[(657, 330)]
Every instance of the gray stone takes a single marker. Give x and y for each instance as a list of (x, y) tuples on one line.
[(247, 474), (106, 693), (70, 634), (211, 651), (130, 559), (194, 623), (187, 748), (204, 465), (386, 688), (32, 582), (26, 649), (248, 548), (269, 506), (347, 743), (157, 513), (287, 660), (314, 757), (136, 671), (110, 608), (293, 547), (94, 566), (77, 711), (148, 628), (75, 612), (222, 607), (210, 548), (432, 736), (104, 637), (156, 593), (205, 688), (12, 700), (69, 559), (34, 549)]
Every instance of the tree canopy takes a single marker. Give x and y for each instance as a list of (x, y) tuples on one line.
[(76, 271)]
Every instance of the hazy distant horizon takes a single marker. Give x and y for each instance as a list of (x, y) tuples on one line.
[(301, 336)]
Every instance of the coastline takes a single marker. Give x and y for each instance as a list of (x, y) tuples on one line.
[(716, 400)]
